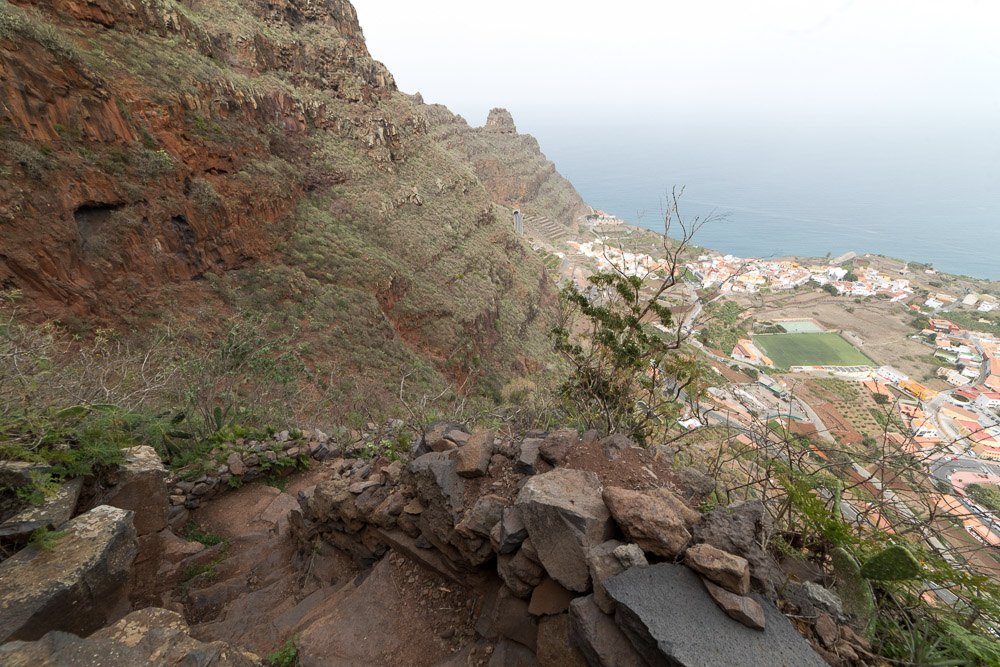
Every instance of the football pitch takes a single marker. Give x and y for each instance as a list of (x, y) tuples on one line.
[(810, 349)]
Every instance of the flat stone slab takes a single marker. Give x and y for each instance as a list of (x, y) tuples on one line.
[(78, 586), (56, 510), (150, 636), (670, 618)]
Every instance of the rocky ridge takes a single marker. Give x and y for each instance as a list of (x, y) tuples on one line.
[(511, 167)]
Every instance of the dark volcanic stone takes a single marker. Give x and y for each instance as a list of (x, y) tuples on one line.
[(434, 436), (509, 532), (565, 517), (740, 529), (602, 643), (671, 619), (527, 459)]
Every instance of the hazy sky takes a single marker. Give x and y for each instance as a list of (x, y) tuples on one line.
[(790, 61)]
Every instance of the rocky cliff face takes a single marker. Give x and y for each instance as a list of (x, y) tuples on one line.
[(510, 166), (146, 146)]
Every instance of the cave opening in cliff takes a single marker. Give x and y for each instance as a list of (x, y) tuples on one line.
[(91, 218)]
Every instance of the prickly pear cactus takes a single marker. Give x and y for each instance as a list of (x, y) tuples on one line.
[(854, 590), (894, 563)]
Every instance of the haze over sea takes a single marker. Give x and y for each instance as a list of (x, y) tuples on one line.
[(919, 193)]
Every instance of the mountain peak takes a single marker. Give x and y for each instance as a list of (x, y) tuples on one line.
[(500, 121)]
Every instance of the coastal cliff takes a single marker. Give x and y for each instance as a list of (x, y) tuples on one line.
[(510, 165)]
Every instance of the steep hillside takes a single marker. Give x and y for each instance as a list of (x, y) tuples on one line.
[(510, 165), (203, 160)]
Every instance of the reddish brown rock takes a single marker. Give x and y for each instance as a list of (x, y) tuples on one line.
[(648, 520), (549, 598), (729, 571), (738, 607), (826, 629), (557, 445), (473, 458), (689, 516), (555, 645)]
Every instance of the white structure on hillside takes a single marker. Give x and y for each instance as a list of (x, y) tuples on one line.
[(518, 223)]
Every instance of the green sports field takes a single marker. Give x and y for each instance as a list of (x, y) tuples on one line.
[(810, 349)]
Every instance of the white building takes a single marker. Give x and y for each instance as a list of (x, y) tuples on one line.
[(988, 400), (890, 374)]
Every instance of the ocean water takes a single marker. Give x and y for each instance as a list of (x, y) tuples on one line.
[(916, 193)]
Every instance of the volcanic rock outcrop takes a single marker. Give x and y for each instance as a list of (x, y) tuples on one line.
[(212, 157)]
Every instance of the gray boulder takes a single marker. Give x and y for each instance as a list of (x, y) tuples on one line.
[(507, 535), (78, 586), (54, 511), (439, 489), (528, 456), (741, 529), (699, 486), (811, 599), (671, 620), (481, 518), (507, 616), (603, 564), (614, 445), (565, 517), (505, 568), (436, 438)]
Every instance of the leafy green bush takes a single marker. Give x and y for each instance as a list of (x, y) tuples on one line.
[(626, 375)]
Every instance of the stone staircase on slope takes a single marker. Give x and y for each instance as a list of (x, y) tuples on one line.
[(544, 227)]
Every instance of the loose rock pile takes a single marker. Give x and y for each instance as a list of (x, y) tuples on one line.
[(570, 589), (554, 549)]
